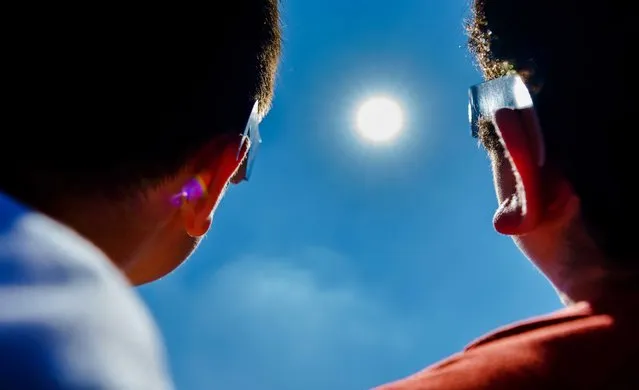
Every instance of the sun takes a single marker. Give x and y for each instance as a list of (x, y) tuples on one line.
[(380, 119)]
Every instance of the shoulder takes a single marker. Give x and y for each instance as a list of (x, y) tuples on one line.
[(496, 369), (67, 316), (571, 348)]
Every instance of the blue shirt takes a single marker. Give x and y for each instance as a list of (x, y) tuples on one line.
[(68, 317)]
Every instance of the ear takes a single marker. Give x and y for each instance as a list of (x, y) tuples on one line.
[(518, 177), (218, 171)]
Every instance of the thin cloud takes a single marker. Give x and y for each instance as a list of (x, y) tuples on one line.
[(285, 323)]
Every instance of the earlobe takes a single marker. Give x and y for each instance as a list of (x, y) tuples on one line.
[(194, 226), (521, 206)]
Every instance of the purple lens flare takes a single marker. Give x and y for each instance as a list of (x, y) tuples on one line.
[(191, 191)]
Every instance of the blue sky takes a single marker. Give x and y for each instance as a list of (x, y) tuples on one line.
[(344, 264)]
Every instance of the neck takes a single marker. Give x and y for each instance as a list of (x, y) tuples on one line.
[(576, 266), (593, 283)]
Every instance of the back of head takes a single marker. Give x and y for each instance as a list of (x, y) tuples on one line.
[(110, 99), (573, 56)]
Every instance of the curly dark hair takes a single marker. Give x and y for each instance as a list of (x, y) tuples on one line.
[(573, 56), (109, 99)]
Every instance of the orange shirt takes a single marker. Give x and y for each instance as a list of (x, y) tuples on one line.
[(579, 347)]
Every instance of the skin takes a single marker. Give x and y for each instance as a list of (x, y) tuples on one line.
[(541, 212), (146, 236)]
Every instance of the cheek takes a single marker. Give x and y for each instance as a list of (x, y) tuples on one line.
[(503, 178)]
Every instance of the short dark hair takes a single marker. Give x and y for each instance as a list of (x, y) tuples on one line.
[(573, 55), (107, 101)]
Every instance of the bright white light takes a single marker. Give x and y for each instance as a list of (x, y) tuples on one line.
[(380, 119)]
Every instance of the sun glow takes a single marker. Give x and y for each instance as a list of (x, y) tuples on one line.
[(380, 119)]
